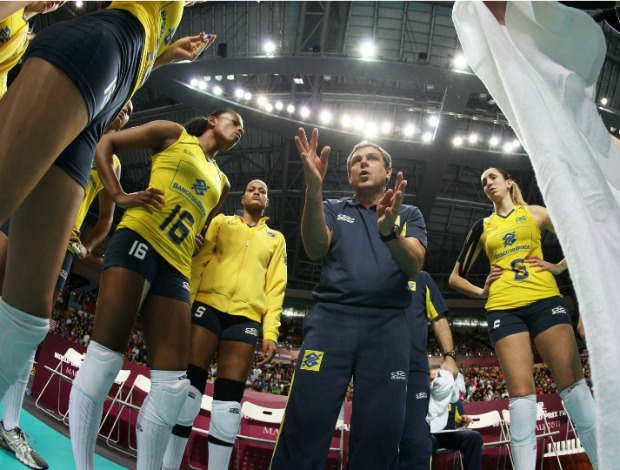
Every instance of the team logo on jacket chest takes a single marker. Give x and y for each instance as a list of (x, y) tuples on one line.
[(346, 218)]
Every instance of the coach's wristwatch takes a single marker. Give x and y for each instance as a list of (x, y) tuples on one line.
[(392, 236), (451, 354)]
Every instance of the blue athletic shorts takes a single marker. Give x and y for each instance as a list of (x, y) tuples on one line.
[(127, 249), (535, 318), (4, 228), (101, 53), (64, 271), (227, 327)]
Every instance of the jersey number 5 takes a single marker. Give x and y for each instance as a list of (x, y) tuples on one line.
[(178, 230), (520, 269)]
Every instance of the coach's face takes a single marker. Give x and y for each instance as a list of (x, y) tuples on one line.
[(368, 169)]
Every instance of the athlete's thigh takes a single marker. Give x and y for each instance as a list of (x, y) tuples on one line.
[(202, 346), (120, 292), (4, 247), (166, 325), (515, 357), (39, 232), (234, 360), (558, 348)]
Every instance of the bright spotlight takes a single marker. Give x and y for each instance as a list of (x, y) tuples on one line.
[(409, 130), (202, 85), (508, 147), (325, 117), (371, 130), (279, 105), (305, 112), (269, 48), (193, 82), (79, 4), (268, 107), (358, 123), (460, 62), (427, 137), (218, 78), (261, 100), (230, 77), (516, 144), (603, 101), (494, 141), (217, 91), (239, 93), (247, 96), (473, 138), (345, 121), (367, 49), (457, 141), (386, 127), (433, 120), (290, 109)]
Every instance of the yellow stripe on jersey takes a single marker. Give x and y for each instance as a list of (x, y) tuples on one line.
[(160, 21), (13, 44), (507, 242), (93, 187), (192, 187)]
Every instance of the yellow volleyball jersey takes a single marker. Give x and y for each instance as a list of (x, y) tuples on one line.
[(93, 187), (192, 186), (13, 44), (160, 21), (507, 242)]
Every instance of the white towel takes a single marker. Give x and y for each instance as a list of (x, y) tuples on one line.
[(541, 68), (442, 394)]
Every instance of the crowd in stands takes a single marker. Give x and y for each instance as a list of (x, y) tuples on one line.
[(481, 383)]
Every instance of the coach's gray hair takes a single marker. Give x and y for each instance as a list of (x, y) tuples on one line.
[(364, 143)]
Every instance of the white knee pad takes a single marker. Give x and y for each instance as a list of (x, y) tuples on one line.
[(523, 420), (98, 372), (20, 334), (166, 398), (225, 419), (580, 405), (191, 407)]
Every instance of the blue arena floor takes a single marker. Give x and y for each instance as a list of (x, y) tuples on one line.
[(51, 445)]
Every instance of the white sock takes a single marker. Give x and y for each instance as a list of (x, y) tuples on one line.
[(219, 456), (88, 393), (14, 398), (174, 452), (20, 334), (523, 432), (158, 415)]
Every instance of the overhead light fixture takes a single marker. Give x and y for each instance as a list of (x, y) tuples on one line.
[(457, 141), (279, 105), (603, 101), (290, 109), (298, 79), (239, 93), (494, 141), (367, 49), (270, 48), (305, 112), (409, 130), (473, 138)]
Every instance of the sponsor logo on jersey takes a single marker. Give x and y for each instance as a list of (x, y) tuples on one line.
[(251, 331), (412, 285), (556, 310), (346, 218), (421, 396), (496, 324), (398, 375), (509, 239), (271, 233), (521, 218), (285, 260), (186, 285), (200, 187), (312, 360), (188, 194)]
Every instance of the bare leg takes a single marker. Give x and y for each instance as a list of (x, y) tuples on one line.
[(43, 112), (4, 247), (558, 348), (515, 357), (39, 232)]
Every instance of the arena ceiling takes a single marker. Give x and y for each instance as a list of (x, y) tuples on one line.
[(410, 81)]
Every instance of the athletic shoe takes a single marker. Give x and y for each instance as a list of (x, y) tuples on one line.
[(15, 441)]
